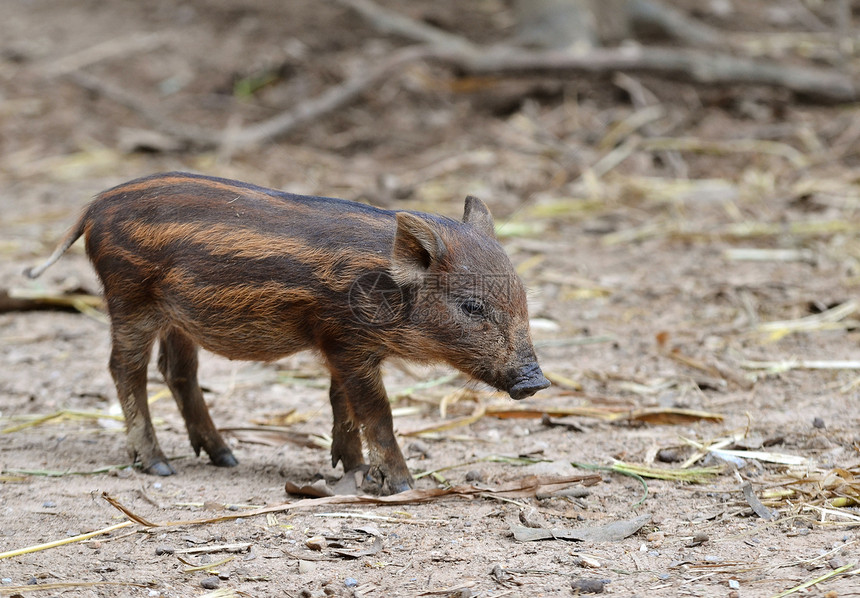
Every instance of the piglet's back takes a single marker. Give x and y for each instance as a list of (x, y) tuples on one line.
[(223, 259), (167, 208)]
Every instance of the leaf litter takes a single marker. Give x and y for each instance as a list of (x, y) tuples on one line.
[(611, 532), (526, 487)]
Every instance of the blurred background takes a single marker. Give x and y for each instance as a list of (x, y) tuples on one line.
[(554, 111)]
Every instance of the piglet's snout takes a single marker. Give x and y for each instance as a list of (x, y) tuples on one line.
[(529, 379)]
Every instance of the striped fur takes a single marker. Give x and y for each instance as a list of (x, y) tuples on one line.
[(254, 273)]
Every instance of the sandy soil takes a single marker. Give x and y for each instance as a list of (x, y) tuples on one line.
[(639, 296)]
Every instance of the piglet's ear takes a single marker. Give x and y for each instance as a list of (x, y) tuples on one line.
[(478, 215), (417, 246)]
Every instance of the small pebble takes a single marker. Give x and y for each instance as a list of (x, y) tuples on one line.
[(224, 575), (575, 492), (474, 476), (586, 560), (818, 423), (699, 539), (350, 582), (156, 485), (210, 583), (49, 504), (733, 584), (734, 594), (316, 543), (306, 567), (159, 550), (6, 580), (32, 581), (837, 562), (671, 455), (587, 586)]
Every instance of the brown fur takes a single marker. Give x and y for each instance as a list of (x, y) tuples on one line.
[(253, 273)]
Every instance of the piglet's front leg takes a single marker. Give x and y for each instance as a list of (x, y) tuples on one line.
[(366, 404), (346, 434)]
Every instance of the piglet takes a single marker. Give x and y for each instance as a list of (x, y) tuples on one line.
[(253, 273)]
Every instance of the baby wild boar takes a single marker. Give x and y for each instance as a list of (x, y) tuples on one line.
[(253, 273)]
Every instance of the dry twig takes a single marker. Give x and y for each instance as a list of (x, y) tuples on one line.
[(54, 544)]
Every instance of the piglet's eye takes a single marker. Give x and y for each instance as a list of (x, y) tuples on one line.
[(473, 308)]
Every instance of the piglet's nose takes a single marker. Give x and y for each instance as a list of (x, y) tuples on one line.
[(529, 380)]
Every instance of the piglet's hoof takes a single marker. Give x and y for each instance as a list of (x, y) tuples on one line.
[(398, 488), (162, 468), (224, 458), (375, 482)]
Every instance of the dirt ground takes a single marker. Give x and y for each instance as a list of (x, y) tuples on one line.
[(653, 280)]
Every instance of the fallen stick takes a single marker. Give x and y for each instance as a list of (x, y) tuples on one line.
[(695, 66), (777, 367), (812, 582), (390, 22), (709, 68), (137, 43), (641, 13)]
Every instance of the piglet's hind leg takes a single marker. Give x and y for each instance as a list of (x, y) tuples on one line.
[(128, 363), (177, 361)]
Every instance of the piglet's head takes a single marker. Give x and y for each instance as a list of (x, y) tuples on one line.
[(465, 303)]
